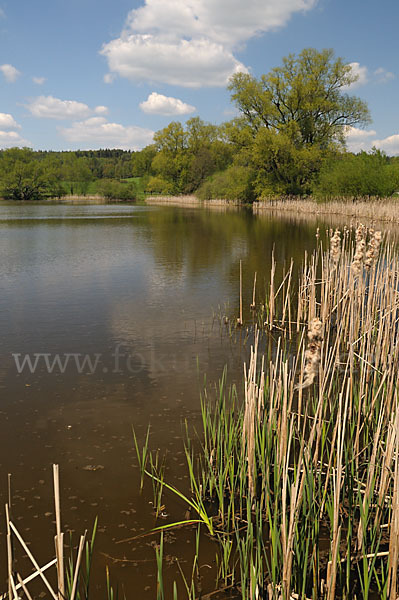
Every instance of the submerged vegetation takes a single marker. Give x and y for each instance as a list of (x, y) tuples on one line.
[(288, 138), (298, 483)]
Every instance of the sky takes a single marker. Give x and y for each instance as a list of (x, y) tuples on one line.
[(89, 74)]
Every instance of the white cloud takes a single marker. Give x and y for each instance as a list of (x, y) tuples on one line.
[(229, 22), (383, 76), (10, 73), (2, 14), (11, 139), (158, 104), (390, 144), (191, 42), (101, 110), (97, 132), (48, 107), (109, 77), (362, 75), (359, 139), (7, 121), (38, 80), (189, 63)]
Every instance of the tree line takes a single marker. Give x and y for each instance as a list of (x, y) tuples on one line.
[(288, 138)]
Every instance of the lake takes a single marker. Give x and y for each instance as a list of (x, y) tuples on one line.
[(120, 311)]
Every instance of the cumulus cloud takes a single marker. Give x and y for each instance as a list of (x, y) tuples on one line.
[(383, 76), (97, 132), (7, 121), (48, 107), (191, 42), (38, 80), (101, 110), (10, 138), (189, 63), (10, 73), (390, 144), (362, 75), (158, 104), (359, 139)]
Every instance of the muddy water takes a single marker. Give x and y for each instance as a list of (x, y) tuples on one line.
[(136, 293)]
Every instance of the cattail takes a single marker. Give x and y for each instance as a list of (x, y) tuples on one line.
[(358, 258), (312, 353), (335, 246), (373, 249)]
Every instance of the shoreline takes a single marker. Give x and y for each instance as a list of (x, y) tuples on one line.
[(192, 201), (382, 209)]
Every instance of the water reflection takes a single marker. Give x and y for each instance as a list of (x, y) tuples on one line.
[(92, 279)]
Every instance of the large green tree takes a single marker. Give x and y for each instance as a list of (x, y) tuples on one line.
[(306, 99), (296, 114), (21, 176)]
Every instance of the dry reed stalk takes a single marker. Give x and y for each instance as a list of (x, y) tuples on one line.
[(254, 405), (33, 561), (386, 466), (287, 293), (77, 566), (393, 560), (12, 592), (271, 296), (370, 477), (337, 481), (59, 538), (23, 586), (248, 431), (239, 320), (253, 305)]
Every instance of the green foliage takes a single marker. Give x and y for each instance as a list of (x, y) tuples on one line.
[(115, 190), (281, 166), (364, 174), (186, 156), (296, 113), (304, 98), (21, 178), (235, 183), (158, 185), (141, 161)]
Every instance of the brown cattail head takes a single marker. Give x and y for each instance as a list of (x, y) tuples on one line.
[(358, 258), (312, 353), (373, 248), (335, 246)]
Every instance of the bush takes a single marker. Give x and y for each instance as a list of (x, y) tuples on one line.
[(364, 174), (158, 185), (235, 183), (116, 190)]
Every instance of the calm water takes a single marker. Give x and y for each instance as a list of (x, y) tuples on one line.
[(136, 291)]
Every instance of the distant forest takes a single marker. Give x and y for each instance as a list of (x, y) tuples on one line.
[(288, 138)]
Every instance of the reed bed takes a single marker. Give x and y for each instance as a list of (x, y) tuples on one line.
[(192, 201), (381, 209), (297, 482)]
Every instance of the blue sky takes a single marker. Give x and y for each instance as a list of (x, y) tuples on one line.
[(94, 73)]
